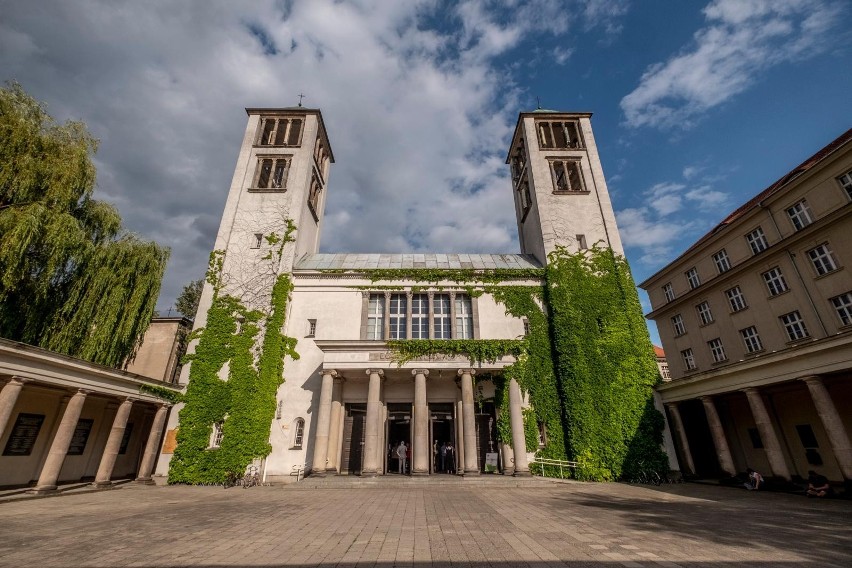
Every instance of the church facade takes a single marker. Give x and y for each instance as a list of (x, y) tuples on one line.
[(348, 401)]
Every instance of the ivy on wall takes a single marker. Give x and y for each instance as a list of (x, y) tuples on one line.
[(244, 403)]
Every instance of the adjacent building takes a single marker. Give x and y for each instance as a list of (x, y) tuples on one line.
[(756, 319)]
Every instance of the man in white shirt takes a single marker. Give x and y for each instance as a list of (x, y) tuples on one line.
[(402, 454)]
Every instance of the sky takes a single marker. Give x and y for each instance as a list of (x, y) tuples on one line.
[(697, 106)]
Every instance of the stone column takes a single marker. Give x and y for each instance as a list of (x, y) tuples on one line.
[(323, 423), (371, 435), (102, 479), (837, 435), (420, 450), (334, 428), (61, 441), (507, 455), (471, 459), (459, 435), (726, 462), (767, 434), (681, 436), (152, 448), (519, 440), (8, 398)]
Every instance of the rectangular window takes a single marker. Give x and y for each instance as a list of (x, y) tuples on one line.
[(688, 359), (664, 372), (526, 327), (677, 324), (775, 282), (843, 305), (692, 278), (704, 313), (716, 350), (669, 292), (581, 242), (845, 182), (822, 259), (257, 240), (723, 264), (794, 325), (567, 175), (751, 339), (800, 215), (80, 437), (312, 327), (441, 312), (216, 435), (376, 317), (736, 299), (757, 241), (561, 135), (464, 317), (397, 313), (420, 316), (272, 173), (280, 131)]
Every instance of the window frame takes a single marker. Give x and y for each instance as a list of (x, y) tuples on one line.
[(217, 434), (757, 241), (668, 292), (800, 215), (544, 128), (795, 324), (378, 317), (678, 325), (298, 434), (778, 278), (464, 316), (736, 299), (751, 339), (692, 278), (721, 259), (568, 165), (842, 304), (846, 185), (442, 318), (822, 262), (705, 314), (688, 358), (269, 185), (421, 317), (312, 328), (717, 350), (266, 135), (398, 316)]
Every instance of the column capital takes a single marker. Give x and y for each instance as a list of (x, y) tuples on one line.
[(670, 404), (749, 390), (379, 372), (424, 372), (706, 398), (18, 380), (811, 379), (84, 392), (331, 372), (470, 372), (338, 379)]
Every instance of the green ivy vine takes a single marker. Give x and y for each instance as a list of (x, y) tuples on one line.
[(244, 403)]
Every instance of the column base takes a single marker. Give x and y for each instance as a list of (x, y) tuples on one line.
[(331, 472), (103, 484), (145, 481), (369, 474), (43, 490), (419, 474), (472, 472), (317, 473), (522, 474), (508, 471)]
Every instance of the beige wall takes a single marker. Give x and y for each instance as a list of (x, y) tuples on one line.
[(159, 355)]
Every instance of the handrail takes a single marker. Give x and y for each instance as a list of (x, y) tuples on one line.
[(298, 470), (561, 464)]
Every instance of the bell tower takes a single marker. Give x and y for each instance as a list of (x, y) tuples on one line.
[(561, 198)]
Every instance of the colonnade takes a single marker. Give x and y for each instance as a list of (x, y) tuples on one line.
[(327, 438), (825, 407), (71, 408)]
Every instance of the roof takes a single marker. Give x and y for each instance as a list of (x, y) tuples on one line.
[(356, 261), (758, 199), (658, 351)]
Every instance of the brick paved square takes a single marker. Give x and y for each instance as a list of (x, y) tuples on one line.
[(477, 525)]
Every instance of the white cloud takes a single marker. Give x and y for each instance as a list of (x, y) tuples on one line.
[(742, 39), (417, 115)]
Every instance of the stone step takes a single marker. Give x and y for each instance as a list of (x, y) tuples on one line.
[(386, 481)]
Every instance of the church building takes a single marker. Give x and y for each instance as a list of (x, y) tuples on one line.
[(348, 401)]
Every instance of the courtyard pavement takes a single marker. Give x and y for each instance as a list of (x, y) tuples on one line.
[(464, 524)]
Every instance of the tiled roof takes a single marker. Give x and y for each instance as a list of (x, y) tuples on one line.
[(658, 351), (355, 261)]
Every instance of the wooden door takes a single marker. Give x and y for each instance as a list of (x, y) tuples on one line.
[(353, 438)]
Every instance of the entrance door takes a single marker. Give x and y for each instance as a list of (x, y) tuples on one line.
[(486, 433), (399, 430), (353, 438), (443, 435)]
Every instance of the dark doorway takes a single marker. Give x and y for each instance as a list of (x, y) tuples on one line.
[(399, 430), (700, 439), (353, 438), (486, 434), (443, 437)]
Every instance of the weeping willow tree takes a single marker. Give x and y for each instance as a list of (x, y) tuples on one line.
[(71, 279)]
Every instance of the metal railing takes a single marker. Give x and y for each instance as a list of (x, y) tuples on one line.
[(299, 471), (548, 465)]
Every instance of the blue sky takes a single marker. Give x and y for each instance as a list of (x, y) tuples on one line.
[(697, 106)]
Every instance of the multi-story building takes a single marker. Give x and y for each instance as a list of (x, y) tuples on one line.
[(756, 318), (345, 402)]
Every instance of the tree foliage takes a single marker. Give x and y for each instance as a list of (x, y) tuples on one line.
[(187, 301), (70, 279)]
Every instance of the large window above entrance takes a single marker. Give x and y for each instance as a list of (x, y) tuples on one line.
[(395, 315)]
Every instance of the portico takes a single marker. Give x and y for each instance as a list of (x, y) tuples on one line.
[(428, 404)]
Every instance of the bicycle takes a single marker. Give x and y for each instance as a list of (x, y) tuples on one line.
[(251, 478)]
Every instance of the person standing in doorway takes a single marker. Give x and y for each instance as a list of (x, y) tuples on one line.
[(402, 455), (444, 466)]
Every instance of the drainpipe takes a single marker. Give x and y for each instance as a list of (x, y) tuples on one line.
[(792, 258)]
